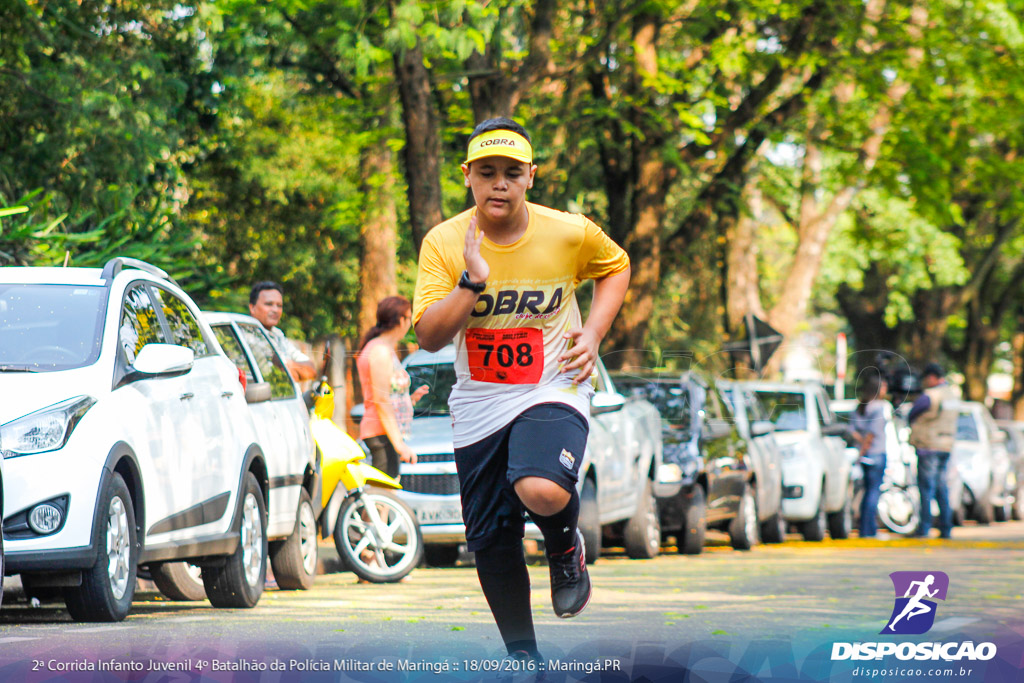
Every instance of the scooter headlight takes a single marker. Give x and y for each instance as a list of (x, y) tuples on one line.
[(45, 430)]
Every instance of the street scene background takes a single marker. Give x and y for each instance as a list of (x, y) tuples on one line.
[(849, 176), (773, 614), (823, 166)]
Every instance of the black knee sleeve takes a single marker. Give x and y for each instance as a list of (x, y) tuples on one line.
[(503, 555)]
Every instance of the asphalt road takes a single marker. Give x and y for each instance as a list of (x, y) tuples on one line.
[(772, 614)]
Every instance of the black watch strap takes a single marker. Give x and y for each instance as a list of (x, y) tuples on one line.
[(465, 282)]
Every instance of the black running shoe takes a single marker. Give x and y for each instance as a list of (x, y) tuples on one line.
[(570, 582)]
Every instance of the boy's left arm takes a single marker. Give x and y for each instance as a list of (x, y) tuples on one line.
[(609, 293)]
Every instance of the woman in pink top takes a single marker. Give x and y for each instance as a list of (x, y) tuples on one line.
[(387, 404)]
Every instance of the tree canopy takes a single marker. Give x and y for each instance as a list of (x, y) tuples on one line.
[(788, 158)]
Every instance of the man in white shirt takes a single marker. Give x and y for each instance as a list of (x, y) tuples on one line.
[(266, 304)]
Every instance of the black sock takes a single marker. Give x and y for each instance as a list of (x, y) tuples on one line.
[(559, 529), (501, 568)]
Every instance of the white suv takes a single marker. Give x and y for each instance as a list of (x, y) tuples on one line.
[(1, 530), (126, 440), (817, 490)]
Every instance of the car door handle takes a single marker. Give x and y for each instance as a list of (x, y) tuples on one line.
[(227, 394), (186, 396)]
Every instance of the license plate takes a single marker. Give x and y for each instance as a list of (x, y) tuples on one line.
[(441, 513)]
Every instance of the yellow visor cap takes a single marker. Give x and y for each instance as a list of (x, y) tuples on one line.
[(500, 143)]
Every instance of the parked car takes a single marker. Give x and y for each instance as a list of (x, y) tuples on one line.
[(126, 440), (1, 530), (1015, 446), (766, 454), (282, 425), (983, 461), (619, 479), (816, 470), (899, 502), (728, 482)]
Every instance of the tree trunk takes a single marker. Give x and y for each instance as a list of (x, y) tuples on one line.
[(743, 294), (931, 320), (864, 309), (422, 151), (817, 221), (644, 248), (643, 241), (1017, 344), (379, 232), (490, 92)]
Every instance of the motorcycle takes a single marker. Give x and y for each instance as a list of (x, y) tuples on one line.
[(376, 534), (898, 500)]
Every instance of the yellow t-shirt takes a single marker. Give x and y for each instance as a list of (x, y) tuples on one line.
[(506, 357)]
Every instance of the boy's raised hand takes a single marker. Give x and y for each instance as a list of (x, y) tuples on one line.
[(582, 353), (476, 266)]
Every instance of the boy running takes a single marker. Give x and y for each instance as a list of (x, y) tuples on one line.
[(500, 279)]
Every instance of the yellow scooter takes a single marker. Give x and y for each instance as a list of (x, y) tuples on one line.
[(376, 533)]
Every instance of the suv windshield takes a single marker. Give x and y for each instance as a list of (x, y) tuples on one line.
[(670, 398), (440, 378), (44, 328), (785, 409), (966, 428)]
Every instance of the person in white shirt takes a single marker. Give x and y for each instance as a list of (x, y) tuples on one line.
[(266, 304)]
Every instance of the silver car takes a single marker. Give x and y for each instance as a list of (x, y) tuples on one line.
[(981, 457), (1015, 445), (618, 478)]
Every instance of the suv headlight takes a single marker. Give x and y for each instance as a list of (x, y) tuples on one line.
[(45, 430)]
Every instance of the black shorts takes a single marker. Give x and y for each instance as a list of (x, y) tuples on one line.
[(383, 455), (546, 440)]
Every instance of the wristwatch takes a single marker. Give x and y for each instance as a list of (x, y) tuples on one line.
[(465, 282)]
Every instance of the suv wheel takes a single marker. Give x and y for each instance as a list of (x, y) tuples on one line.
[(642, 535), (744, 527), (984, 512), (695, 524), (109, 585), (443, 555), (590, 521), (1003, 511), (1, 555), (773, 529), (179, 580), (814, 528), (239, 582), (294, 559), (840, 522)]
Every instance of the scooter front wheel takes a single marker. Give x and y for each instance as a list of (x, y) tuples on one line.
[(378, 537), (898, 510)]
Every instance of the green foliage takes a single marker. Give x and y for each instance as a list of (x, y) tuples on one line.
[(101, 111), (887, 235), (223, 140)]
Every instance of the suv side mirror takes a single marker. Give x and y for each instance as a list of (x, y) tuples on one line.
[(834, 429), (257, 392), (164, 359), (761, 427), (606, 402), (715, 429)]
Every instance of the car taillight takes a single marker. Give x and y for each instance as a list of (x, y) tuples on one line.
[(241, 378)]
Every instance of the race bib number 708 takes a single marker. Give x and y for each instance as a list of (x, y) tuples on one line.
[(513, 356)]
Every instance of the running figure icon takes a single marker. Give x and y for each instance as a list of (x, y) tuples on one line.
[(914, 606)]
